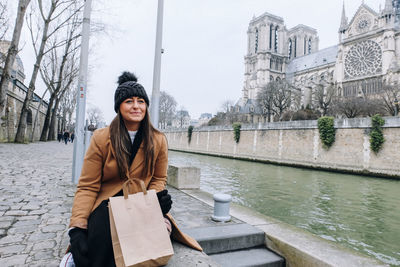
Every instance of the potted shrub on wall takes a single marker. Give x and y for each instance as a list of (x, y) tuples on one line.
[(326, 127), (236, 131), (189, 135), (376, 138)]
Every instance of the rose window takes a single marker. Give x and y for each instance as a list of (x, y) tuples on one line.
[(363, 59)]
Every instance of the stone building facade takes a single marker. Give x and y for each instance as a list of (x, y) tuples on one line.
[(15, 99), (366, 57)]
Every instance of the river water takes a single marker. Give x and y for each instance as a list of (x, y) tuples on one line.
[(362, 213)]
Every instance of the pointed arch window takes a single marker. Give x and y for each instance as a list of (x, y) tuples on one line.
[(305, 46), (295, 46), (271, 29), (256, 42), (290, 48), (276, 39), (309, 46)]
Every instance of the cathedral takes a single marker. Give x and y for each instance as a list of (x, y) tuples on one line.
[(366, 56)]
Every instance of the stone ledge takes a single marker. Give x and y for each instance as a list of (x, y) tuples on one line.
[(184, 256), (298, 247)]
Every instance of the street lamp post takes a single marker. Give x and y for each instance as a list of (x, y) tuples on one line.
[(155, 96), (396, 106), (79, 144)]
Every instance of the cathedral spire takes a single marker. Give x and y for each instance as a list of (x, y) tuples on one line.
[(388, 7), (343, 22)]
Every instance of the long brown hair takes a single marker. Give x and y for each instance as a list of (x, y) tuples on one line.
[(122, 144)]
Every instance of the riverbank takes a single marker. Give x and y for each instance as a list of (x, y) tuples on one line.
[(299, 248), (360, 213), (298, 144)]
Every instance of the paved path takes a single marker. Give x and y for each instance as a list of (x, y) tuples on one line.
[(36, 196), (35, 202)]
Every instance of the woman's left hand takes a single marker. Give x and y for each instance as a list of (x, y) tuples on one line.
[(165, 201)]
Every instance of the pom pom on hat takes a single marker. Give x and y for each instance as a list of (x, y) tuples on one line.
[(126, 77), (128, 87)]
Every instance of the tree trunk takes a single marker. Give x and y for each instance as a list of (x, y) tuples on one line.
[(43, 136), (36, 116), (52, 135), (19, 138), (11, 54)]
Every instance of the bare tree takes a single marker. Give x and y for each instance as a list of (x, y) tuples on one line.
[(228, 115), (227, 106), (67, 106), (52, 69), (390, 96), (265, 99), (11, 54), (282, 98), (35, 122), (350, 107), (324, 94), (3, 19), (70, 76), (167, 109), (95, 116), (51, 21)]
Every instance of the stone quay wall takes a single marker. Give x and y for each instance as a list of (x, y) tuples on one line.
[(10, 119), (297, 143)]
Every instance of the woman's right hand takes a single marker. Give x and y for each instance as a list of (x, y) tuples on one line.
[(79, 246)]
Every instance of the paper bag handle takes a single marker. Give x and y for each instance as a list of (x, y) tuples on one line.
[(125, 186)]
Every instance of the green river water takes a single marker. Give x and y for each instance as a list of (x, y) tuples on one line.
[(362, 213)]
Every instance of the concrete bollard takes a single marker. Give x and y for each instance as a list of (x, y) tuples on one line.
[(221, 207)]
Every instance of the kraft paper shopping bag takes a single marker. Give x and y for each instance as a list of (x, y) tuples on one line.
[(139, 235)]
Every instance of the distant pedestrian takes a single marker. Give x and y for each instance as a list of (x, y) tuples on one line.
[(59, 136), (66, 137), (72, 137)]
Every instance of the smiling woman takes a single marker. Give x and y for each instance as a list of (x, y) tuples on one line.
[(130, 148)]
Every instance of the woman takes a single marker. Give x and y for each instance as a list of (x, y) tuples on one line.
[(129, 148)]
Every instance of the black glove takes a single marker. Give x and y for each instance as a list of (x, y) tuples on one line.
[(79, 246), (165, 201)]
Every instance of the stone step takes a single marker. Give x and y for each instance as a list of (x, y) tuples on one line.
[(253, 257), (216, 239)]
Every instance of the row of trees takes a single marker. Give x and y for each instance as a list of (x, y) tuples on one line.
[(55, 28), (281, 101), (169, 114)]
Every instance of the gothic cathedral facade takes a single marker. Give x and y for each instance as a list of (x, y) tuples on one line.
[(366, 57)]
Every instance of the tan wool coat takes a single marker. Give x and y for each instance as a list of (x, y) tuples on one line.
[(100, 179)]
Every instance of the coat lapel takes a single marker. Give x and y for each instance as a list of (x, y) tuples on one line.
[(137, 162)]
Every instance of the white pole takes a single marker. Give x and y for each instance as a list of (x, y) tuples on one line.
[(79, 145), (155, 96)]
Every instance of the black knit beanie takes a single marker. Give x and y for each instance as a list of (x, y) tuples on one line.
[(128, 87)]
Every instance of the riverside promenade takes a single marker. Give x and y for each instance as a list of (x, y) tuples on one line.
[(36, 196)]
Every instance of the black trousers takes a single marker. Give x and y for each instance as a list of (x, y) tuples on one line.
[(101, 252)]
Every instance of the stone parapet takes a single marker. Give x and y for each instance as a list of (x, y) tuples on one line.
[(298, 144), (390, 122)]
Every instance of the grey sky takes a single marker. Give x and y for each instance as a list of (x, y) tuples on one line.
[(204, 42)]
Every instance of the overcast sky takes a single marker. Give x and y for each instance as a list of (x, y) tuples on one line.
[(204, 43)]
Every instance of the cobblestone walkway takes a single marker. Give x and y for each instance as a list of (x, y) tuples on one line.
[(36, 195), (35, 201)]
